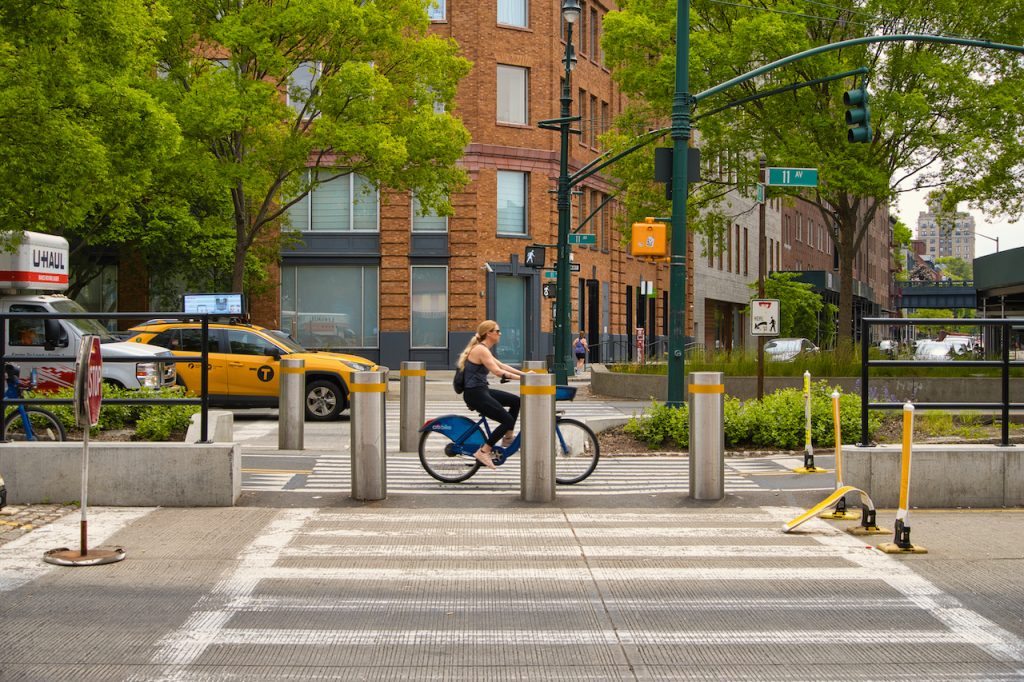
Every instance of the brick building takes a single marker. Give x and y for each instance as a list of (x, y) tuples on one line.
[(367, 274)]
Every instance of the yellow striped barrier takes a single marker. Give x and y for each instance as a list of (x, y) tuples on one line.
[(808, 467), (901, 539), (828, 502), (840, 512), (367, 388)]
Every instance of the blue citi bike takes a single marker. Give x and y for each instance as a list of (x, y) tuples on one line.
[(448, 445), (27, 422)]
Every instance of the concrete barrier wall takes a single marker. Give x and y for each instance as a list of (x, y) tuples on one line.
[(124, 474), (940, 475), (882, 389)]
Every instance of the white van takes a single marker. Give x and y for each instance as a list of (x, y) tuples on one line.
[(30, 280)]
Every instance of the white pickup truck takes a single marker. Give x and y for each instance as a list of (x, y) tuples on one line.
[(30, 280)]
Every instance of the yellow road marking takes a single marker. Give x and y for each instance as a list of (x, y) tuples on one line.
[(277, 471)]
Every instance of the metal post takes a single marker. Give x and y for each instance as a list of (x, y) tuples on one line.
[(368, 445), (762, 267), (291, 409), (563, 306), (537, 473), (538, 366), (707, 436), (412, 404), (681, 119)]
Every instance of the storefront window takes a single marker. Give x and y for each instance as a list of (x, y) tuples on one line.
[(429, 307), (331, 306)]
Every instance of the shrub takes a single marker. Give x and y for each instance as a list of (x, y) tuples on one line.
[(661, 423)]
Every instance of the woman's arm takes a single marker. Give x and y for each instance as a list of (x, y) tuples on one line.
[(498, 369)]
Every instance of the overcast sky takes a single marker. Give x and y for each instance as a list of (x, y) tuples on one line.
[(1011, 235)]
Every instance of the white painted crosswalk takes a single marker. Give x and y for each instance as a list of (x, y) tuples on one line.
[(605, 594)]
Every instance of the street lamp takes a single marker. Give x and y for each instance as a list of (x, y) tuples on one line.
[(563, 305), (995, 239)]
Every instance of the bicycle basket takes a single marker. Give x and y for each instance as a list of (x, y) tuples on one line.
[(565, 392)]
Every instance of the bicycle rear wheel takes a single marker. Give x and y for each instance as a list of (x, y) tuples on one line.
[(576, 451), (440, 459), (45, 426)]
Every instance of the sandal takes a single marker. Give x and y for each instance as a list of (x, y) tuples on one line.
[(507, 439), (485, 458)]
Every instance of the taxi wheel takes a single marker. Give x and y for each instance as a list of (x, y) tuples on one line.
[(324, 400)]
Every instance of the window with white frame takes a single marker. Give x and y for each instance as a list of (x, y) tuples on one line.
[(301, 84), (513, 82), (427, 221), (342, 203), (513, 193), (514, 13), (436, 10), (428, 306), (331, 306)]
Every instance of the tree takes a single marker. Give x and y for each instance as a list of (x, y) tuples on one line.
[(956, 269), (81, 135), (364, 82), (949, 116), (801, 311)]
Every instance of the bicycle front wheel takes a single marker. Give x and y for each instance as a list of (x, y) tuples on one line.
[(45, 427), (576, 451), (440, 459)]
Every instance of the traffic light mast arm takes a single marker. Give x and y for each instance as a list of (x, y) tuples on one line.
[(786, 88), (907, 37)]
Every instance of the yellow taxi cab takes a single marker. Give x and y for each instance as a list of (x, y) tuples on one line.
[(244, 367)]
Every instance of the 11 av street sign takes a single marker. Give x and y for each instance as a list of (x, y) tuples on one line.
[(792, 177), (583, 239)]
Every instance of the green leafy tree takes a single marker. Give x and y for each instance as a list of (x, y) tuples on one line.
[(81, 134), (801, 311), (261, 90), (948, 116), (957, 269)]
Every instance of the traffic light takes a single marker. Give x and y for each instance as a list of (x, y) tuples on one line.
[(858, 115)]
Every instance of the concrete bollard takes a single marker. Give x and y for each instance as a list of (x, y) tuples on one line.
[(367, 391), (291, 408), (412, 405), (539, 366), (537, 472), (707, 435)]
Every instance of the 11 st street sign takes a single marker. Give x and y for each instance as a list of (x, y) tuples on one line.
[(792, 177)]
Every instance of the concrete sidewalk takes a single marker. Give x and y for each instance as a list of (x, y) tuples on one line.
[(490, 588)]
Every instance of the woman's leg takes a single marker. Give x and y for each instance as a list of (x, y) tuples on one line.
[(490, 403)]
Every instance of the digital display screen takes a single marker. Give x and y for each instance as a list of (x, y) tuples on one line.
[(214, 304)]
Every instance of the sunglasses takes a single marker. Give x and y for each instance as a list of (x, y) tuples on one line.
[(496, 331)]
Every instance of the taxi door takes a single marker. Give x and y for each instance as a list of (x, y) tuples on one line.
[(253, 365), (189, 341)]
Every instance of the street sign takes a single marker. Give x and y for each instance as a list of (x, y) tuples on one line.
[(583, 239), (574, 267), (792, 177), (534, 257), (760, 193), (88, 393), (550, 274), (764, 317)]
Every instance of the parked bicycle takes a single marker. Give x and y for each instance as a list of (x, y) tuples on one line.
[(448, 444), (27, 422)]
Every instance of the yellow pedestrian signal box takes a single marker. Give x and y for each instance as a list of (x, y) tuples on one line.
[(649, 238)]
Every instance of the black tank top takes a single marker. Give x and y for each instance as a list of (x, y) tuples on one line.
[(476, 375)]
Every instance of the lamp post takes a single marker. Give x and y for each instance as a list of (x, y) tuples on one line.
[(563, 305), (681, 124), (995, 239)]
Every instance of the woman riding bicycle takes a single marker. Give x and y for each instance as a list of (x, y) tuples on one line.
[(476, 361)]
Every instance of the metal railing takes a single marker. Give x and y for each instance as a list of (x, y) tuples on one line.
[(622, 350), (203, 357), (1003, 363)]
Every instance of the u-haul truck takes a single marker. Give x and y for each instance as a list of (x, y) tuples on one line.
[(31, 280)]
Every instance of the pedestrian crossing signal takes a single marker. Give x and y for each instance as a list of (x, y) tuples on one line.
[(549, 291), (534, 257)]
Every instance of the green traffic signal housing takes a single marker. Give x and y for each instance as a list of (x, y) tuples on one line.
[(858, 115)]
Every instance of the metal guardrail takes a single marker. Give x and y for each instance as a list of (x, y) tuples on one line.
[(1004, 363), (203, 400)]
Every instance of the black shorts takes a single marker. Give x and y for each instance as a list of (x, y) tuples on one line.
[(581, 356)]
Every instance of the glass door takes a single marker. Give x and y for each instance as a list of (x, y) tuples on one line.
[(510, 307)]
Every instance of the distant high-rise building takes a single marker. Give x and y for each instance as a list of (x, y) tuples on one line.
[(946, 234)]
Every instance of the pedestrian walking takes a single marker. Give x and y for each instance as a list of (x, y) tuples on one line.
[(581, 348)]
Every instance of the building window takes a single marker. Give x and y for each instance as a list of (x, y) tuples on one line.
[(427, 221), (428, 306), (513, 13), (582, 28), (513, 192), (593, 121), (512, 94), (595, 42), (300, 87), (342, 203), (436, 10), (331, 306)]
